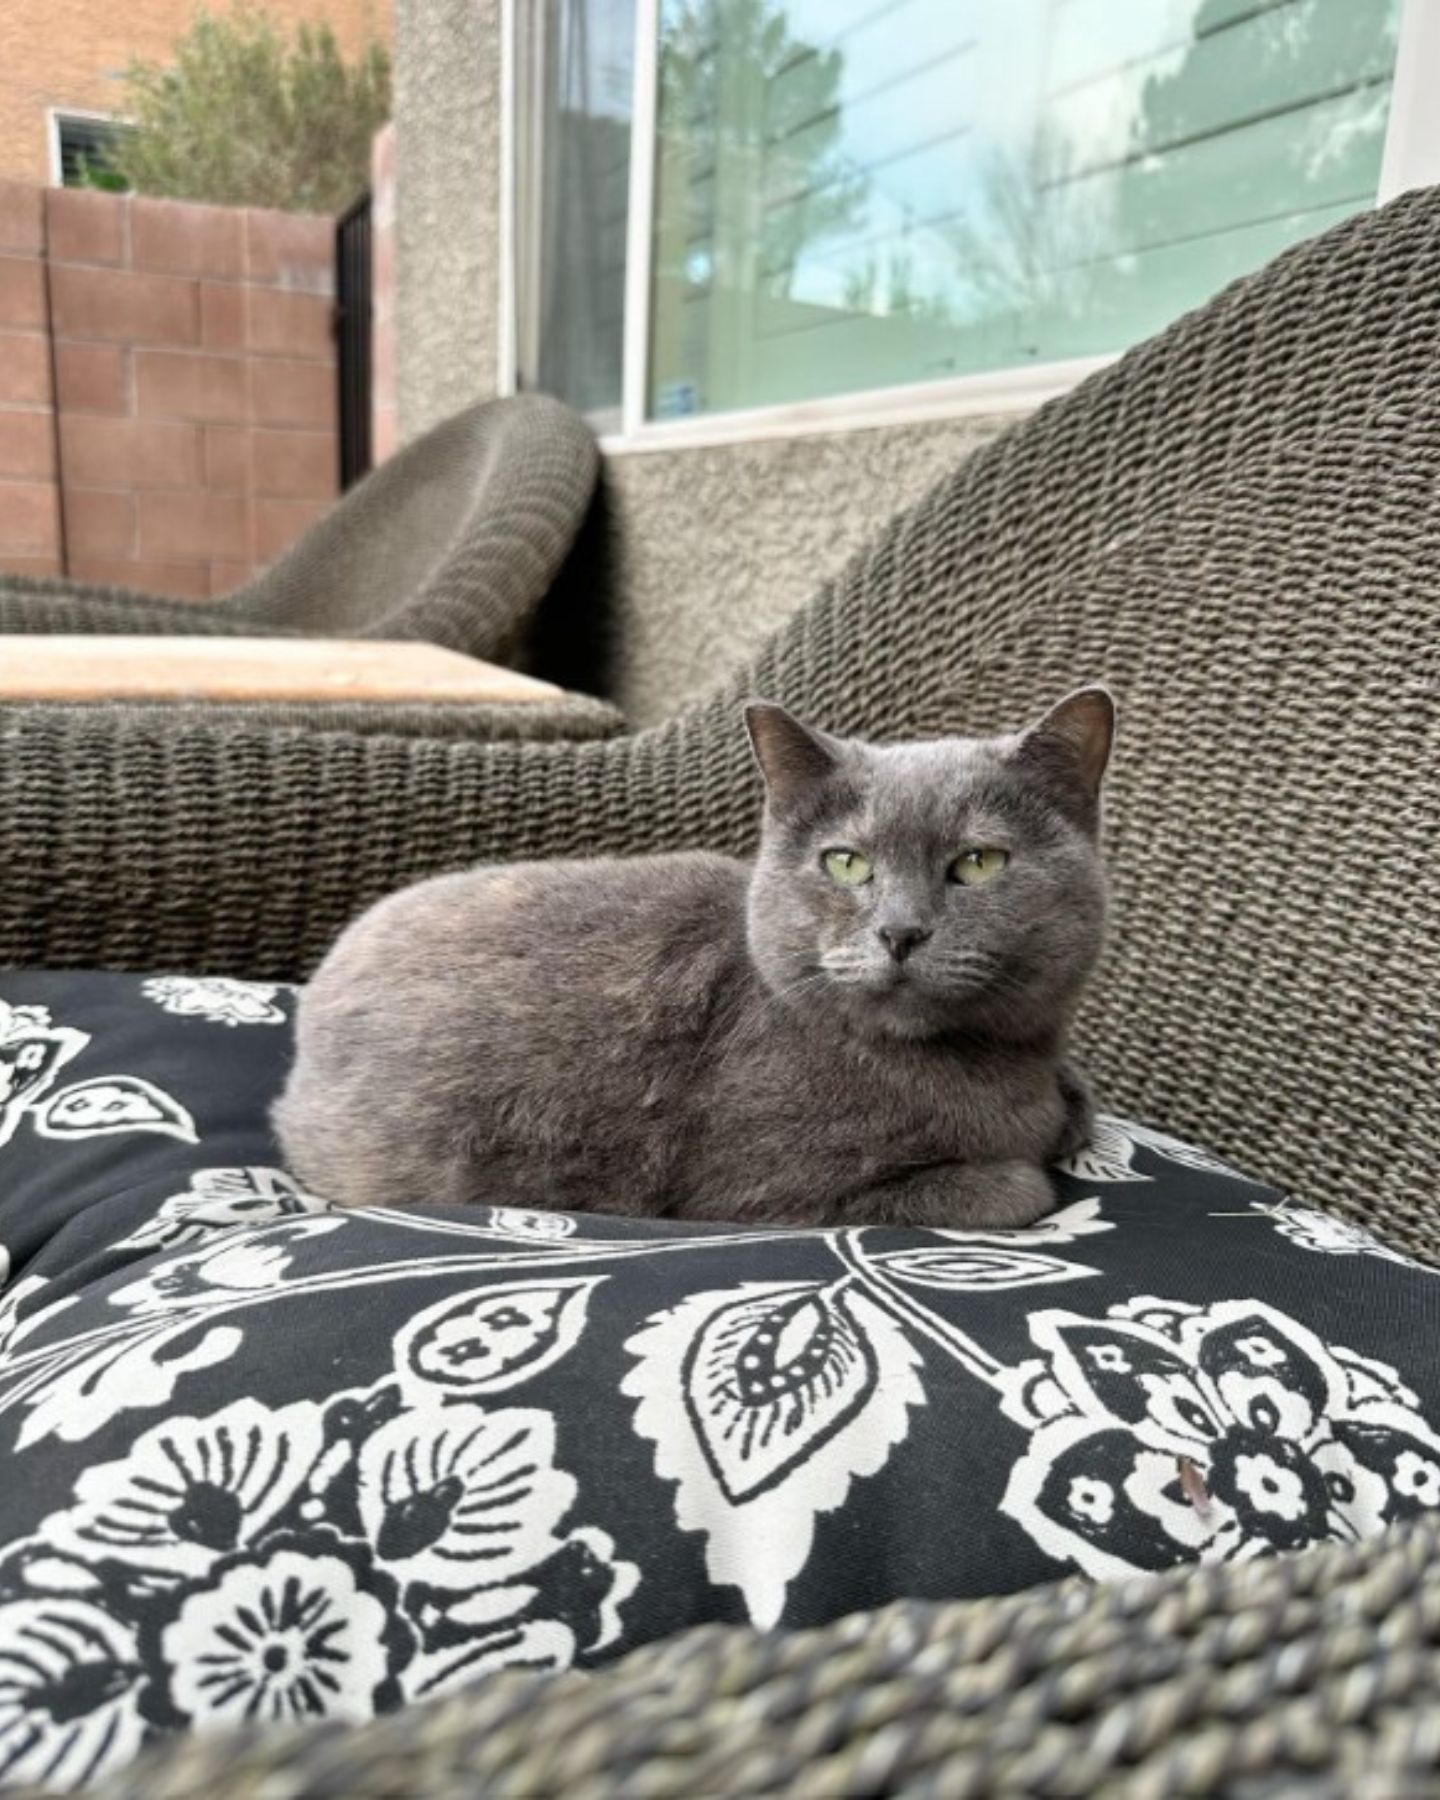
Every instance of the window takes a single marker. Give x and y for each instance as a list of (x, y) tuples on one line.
[(80, 143), (581, 76), (836, 196)]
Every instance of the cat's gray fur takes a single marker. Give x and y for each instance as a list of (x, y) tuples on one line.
[(695, 1037)]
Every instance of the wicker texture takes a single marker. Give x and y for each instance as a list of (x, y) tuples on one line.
[(1237, 527), (454, 541), (1315, 1675)]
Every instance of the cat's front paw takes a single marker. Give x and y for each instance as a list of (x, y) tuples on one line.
[(1001, 1196)]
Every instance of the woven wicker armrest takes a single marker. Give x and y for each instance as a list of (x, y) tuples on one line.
[(240, 838), (1308, 1675), (29, 604)]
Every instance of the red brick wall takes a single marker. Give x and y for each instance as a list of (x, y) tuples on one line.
[(29, 490), (383, 427), (195, 369)]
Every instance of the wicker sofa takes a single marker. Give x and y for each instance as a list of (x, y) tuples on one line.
[(1237, 528)]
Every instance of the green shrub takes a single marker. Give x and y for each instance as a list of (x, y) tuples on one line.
[(244, 117)]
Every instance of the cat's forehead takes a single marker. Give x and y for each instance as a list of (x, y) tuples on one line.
[(924, 787)]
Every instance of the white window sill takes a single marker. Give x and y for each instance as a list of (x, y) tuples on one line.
[(961, 397)]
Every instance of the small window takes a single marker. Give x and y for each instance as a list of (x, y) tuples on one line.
[(80, 150)]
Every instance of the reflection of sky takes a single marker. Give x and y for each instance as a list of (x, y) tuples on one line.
[(594, 45), (956, 84), (955, 110)]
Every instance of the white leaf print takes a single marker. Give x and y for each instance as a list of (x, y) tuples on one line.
[(516, 1221), (1317, 1231), (217, 998), (1107, 1157), (121, 1378), (109, 1103), (1186, 1155), (458, 1497), (980, 1269), (492, 1338), (13, 1330), (1080, 1219), (764, 1402)]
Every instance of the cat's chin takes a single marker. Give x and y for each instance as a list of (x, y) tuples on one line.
[(895, 1009)]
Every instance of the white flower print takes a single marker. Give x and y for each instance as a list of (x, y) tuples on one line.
[(1220, 1433), (219, 1200), (278, 1639), (1417, 1477), (1092, 1499), (32, 1053), (217, 998), (191, 1490), (457, 1496), (1313, 1230), (69, 1682), (247, 1261)]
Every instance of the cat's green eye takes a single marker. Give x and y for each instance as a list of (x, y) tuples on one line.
[(974, 868), (848, 867)]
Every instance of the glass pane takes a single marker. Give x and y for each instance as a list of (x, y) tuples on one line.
[(584, 78), (857, 193)]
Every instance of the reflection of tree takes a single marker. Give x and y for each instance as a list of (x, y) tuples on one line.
[(1065, 229), (1339, 58), (1023, 246), (751, 121)]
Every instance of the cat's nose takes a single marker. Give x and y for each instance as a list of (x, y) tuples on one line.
[(900, 940)]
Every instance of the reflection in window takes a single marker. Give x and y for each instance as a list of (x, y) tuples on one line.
[(858, 193), (584, 69)]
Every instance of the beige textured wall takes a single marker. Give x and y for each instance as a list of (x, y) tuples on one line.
[(709, 550), (447, 196), (71, 53)]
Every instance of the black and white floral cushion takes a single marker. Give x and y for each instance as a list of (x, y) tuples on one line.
[(267, 1460)]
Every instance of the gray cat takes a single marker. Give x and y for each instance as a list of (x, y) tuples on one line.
[(864, 1025)]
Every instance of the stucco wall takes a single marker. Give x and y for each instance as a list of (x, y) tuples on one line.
[(709, 550), (447, 196)]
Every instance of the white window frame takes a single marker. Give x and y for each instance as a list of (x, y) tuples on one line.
[(53, 116), (1410, 159)]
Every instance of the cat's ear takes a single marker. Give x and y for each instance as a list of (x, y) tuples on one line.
[(1072, 742), (792, 758)]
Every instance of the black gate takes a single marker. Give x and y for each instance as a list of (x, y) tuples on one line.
[(352, 338)]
